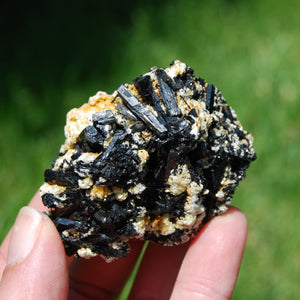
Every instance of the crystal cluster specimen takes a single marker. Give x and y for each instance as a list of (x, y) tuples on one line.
[(155, 160)]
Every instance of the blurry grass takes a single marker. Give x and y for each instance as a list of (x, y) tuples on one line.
[(248, 49), (128, 286)]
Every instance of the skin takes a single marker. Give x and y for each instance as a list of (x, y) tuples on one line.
[(206, 268)]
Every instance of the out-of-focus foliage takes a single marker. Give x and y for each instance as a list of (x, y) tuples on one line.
[(55, 54)]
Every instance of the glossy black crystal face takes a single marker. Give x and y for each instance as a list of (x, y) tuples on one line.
[(155, 161)]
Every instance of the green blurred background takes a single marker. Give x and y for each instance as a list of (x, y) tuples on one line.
[(55, 54)]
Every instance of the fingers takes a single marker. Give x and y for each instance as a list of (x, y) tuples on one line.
[(96, 279), (33, 249), (158, 272), (210, 267), (36, 265)]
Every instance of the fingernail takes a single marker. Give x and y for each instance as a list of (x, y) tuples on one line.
[(24, 234)]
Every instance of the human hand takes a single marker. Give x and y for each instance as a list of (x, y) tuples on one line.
[(33, 263)]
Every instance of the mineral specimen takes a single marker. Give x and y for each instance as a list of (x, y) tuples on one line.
[(155, 160)]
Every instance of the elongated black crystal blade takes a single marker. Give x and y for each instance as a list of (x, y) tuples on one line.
[(210, 93), (141, 111), (144, 86), (126, 112), (168, 96)]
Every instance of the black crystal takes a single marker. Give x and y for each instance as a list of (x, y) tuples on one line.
[(141, 111)]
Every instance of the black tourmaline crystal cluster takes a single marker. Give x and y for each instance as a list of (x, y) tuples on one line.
[(155, 160)]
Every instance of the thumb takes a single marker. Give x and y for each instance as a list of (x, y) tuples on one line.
[(36, 265)]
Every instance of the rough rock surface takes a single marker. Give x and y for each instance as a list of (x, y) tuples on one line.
[(155, 160)]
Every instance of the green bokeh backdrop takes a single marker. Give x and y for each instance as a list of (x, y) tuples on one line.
[(55, 54)]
